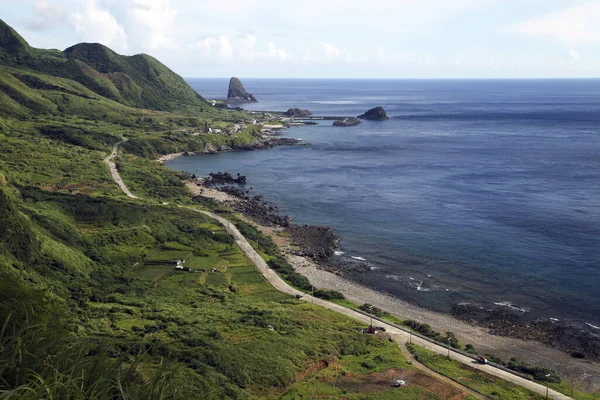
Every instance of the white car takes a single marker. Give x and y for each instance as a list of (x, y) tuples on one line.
[(400, 383)]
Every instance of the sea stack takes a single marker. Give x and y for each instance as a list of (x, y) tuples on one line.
[(237, 93), (375, 114)]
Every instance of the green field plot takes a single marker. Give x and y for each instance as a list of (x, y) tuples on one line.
[(167, 256), (247, 278), (237, 260), (149, 272), (242, 270), (182, 280), (203, 263), (217, 278)]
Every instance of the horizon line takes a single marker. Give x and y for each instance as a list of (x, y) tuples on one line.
[(399, 79)]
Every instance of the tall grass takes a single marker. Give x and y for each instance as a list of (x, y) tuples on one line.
[(35, 363)]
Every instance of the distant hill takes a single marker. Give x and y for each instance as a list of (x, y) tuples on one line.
[(138, 81)]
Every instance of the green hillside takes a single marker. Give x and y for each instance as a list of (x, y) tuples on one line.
[(90, 305), (137, 81)]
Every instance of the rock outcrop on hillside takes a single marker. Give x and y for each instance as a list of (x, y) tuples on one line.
[(351, 121), (237, 93), (376, 114), (297, 112)]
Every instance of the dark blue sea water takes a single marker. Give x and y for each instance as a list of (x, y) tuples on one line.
[(474, 191)]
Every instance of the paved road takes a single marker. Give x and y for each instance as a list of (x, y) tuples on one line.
[(279, 284), (115, 174)]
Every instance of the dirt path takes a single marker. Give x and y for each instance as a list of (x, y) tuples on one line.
[(115, 174), (408, 355), (278, 283)]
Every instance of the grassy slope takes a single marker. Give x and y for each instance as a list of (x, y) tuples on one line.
[(70, 240), (138, 81), (85, 266)]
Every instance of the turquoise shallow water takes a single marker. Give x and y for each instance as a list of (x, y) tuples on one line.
[(474, 191)]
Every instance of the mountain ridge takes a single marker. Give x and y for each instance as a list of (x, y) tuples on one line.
[(139, 80)]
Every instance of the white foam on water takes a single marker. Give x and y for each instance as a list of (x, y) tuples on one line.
[(592, 326), (554, 319), (420, 288), (358, 258), (508, 304)]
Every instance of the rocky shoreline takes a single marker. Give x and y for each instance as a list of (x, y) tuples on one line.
[(319, 244), (266, 143), (312, 250)]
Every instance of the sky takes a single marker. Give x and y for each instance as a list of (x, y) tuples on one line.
[(330, 38)]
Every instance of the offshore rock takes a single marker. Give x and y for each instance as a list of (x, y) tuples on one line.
[(375, 114), (237, 93), (297, 112), (351, 121)]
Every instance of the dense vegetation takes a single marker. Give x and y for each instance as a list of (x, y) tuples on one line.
[(139, 81), (91, 306)]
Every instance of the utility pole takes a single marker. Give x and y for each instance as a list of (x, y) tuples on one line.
[(547, 384)]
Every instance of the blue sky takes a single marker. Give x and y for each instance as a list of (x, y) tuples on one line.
[(330, 38)]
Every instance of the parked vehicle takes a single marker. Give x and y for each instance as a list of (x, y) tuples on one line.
[(482, 360)]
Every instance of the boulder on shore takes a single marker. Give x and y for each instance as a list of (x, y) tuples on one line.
[(237, 93), (376, 114), (351, 121), (297, 112)]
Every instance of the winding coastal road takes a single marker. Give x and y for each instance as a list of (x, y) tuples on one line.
[(399, 335), (114, 173)]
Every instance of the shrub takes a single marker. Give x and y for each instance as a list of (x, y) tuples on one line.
[(327, 294), (378, 312), (299, 281)]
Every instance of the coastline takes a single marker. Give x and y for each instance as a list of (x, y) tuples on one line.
[(267, 141), (304, 262)]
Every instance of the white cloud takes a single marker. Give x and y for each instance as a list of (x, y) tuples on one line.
[(153, 22), (572, 26), (215, 49), (574, 54), (331, 52), (276, 54), (245, 48), (204, 45), (225, 48), (94, 24), (47, 15)]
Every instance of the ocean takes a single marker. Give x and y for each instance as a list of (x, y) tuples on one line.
[(475, 191)]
